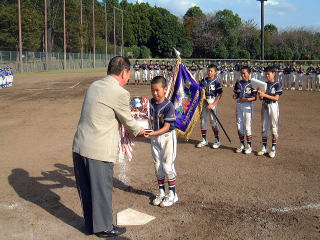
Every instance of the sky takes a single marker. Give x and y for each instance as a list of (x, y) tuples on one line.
[(282, 13)]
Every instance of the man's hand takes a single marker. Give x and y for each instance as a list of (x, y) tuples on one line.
[(141, 133)]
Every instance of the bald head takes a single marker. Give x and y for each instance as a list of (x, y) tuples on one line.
[(117, 65)]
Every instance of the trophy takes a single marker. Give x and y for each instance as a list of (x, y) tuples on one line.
[(140, 111)]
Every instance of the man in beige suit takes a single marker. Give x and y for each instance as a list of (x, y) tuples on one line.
[(95, 145)]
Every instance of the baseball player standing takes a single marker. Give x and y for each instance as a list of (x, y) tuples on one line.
[(300, 72), (244, 94), (286, 74), (317, 71), (310, 76), (224, 74), (237, 69), (200, 70), (169, 71), (137, 68), (144, 72), (213, 91), (231, 74), (270, 111), (2, 79), (163, 68), (157, 68), (293, 74), (279, 72), (151, 70), (193, 70), (163, 141)]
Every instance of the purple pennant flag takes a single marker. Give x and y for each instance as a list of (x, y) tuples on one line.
[(187, 99)]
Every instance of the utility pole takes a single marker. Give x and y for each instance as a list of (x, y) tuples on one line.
[(46, 32), (81, 37), (64, 36), (122, 52), (114, 31), (262, 28), (106, 19), (94, 36), (20, 37)]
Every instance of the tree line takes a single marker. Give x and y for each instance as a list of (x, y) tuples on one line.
[(151, 31)]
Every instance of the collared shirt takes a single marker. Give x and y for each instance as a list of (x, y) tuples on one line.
[(244, 89), (161, 113), (212, 87)]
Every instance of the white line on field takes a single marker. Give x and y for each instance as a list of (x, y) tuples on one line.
[(290, 209), (37, 89), (75, 85), (9, 206)]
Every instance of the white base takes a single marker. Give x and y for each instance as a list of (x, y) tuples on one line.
[(132, 217)]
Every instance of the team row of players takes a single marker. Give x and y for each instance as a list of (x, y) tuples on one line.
[(244, 95), (229, 74), (6, 76)]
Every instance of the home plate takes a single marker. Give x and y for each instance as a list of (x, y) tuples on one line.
[(132, 217)]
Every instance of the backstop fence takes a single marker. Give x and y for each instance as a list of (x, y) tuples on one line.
[(37, 62)]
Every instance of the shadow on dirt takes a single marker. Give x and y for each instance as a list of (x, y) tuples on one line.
[(37, 190), (33, 190)]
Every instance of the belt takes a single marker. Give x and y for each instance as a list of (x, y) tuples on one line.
[(269, 101)]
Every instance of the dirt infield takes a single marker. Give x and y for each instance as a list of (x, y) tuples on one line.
[(223, 195)]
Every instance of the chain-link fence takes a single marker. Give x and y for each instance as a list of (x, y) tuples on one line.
[(36, 61)]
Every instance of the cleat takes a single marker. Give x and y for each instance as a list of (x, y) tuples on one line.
[(169, 200), (263, 151), (240, 149), (202, 144), (159, 198), (216, 144), (248, 150), (272, 153)]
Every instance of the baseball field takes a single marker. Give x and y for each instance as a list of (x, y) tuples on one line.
[(222, 194)]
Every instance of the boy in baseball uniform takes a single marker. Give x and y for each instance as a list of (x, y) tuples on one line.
[(300, 72), (213, 91), (144, 67), (317, 72), (163, 141), (270, 111), (244, 94), (310, 77), (137, 68)]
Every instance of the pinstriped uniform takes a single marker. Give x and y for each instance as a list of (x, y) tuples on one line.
[(164, 146), (244, 110), (212, 89), (270, 111)]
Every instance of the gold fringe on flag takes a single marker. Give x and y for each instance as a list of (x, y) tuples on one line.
[(197, 113)]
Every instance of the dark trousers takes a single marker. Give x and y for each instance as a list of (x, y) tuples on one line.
[(94, 182)]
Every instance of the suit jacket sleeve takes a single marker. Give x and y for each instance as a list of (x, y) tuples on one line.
[(123, 113)]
